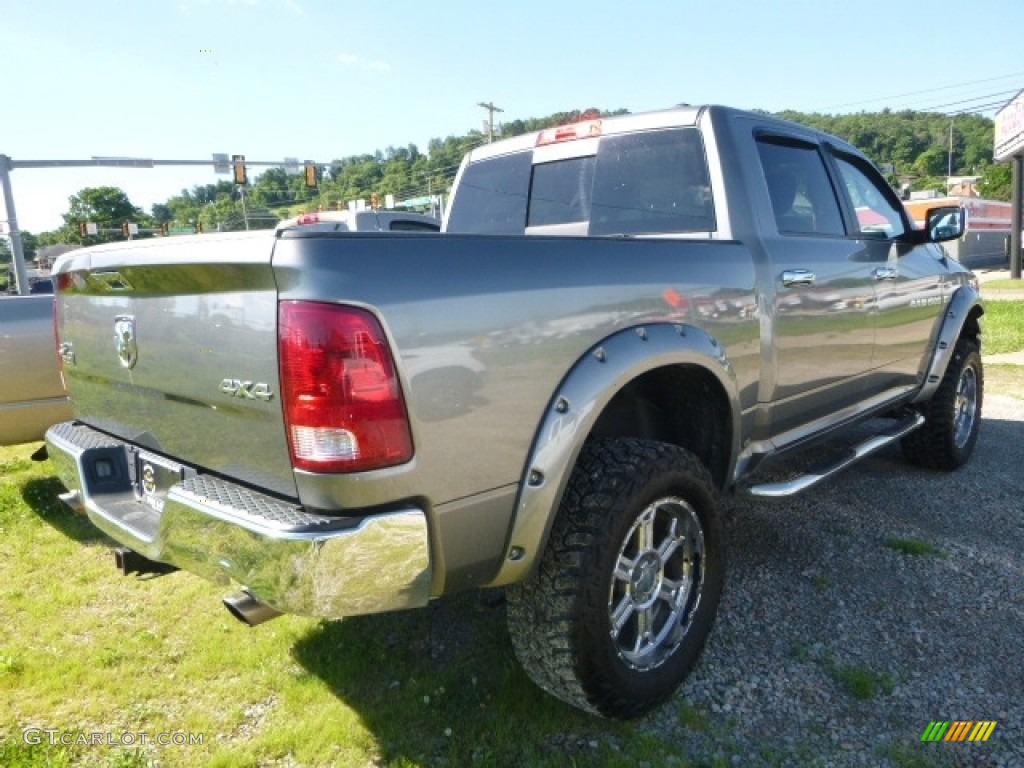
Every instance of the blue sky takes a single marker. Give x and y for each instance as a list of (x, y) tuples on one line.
[(181, 79)]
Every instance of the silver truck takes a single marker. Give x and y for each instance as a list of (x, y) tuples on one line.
[(32, 396), (622, 320)]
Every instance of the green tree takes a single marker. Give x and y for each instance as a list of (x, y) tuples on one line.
[(996, 181), (932, 162), (107, 207)]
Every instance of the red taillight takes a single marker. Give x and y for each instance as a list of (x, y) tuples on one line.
[(343, 406), (308, 218)]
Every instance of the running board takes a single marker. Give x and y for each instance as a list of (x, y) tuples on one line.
[(849, 456)]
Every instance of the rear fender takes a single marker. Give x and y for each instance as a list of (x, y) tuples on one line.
[(575, 408)]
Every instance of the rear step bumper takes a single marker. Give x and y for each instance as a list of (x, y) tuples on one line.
[(283, 556)]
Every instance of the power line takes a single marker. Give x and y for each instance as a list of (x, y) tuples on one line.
[(927, 90), (986, 97)]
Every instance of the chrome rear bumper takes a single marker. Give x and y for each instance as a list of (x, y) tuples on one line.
[(288, 558)]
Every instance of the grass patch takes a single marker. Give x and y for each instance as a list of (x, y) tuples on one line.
[(694, 718), (1006, 284), (1002, 327), (861, 682), (86, 650), (914, 547), (917, 756)]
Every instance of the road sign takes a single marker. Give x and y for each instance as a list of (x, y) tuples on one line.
[(291, 166), (220, 163), (1009, 124)]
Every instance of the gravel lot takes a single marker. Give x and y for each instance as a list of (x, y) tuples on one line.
[(835, 647)]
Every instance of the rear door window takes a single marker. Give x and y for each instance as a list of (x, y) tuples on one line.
[(803, 200)]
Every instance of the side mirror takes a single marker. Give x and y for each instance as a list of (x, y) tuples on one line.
[(946, 223)]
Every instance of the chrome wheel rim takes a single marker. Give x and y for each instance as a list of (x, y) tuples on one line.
[(657, 583), (965, 406)]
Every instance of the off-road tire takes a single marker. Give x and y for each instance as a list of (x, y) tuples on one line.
[(637, 542), (952, 415)]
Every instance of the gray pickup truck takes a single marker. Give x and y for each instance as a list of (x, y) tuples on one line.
[(32, 395), (623, 319)]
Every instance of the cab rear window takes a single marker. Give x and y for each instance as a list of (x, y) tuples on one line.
[(642, 183), (653, 182), (491, 198)]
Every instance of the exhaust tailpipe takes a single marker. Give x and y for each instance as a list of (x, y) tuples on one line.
[(128, 561), (248, 610)]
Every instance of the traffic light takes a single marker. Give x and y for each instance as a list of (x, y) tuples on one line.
[(239, 166), (83, 228), (125, 232), (164, 227), (310, 175)]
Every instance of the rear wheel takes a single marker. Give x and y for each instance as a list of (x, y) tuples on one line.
[(626, 592), (953, 415)]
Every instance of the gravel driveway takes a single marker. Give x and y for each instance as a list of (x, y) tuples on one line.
[(835, 646)]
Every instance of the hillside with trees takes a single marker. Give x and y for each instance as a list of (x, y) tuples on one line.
[(915, 144)]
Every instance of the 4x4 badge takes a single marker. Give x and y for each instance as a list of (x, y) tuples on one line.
[(252, 390), (124, 340)]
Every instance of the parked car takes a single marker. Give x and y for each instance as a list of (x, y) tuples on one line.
[(32, 395)]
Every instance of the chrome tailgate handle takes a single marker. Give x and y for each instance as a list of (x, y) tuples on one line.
[(798, 277)]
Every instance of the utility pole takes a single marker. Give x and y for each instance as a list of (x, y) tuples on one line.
[(17, 254), (949, 170), (491, 109), (245, 214)]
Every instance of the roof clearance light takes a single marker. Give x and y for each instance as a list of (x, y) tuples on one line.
[(584, 130)]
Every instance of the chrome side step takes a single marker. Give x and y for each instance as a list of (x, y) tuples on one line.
[(851, 455)]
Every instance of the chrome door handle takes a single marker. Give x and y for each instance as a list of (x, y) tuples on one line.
[(797, 277), (885, 273)]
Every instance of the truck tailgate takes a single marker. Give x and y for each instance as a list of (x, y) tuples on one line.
[(159, 353)]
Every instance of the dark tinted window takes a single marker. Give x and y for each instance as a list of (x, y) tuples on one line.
[(492, 196), (560, 192), (402, 225), (802, 196), (651, 183)]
